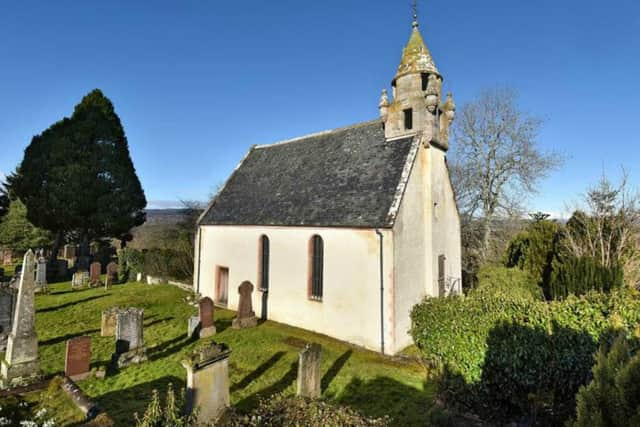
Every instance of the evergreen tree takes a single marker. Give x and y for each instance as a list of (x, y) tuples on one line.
[(17, 233), (4, 201), (77, 176)]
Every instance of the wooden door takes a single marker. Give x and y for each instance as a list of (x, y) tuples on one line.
[(222, 291)]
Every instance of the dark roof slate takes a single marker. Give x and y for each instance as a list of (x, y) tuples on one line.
[(343, 178)]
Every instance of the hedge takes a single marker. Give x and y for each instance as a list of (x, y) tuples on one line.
[(505, 356)]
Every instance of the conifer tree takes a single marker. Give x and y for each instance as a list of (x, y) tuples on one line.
[(77, 176)]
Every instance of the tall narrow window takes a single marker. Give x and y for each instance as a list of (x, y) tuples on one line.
[(264, 263), (408, 119), (316, 268)]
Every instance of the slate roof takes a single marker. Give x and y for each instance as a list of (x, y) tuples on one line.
[(349, 177)]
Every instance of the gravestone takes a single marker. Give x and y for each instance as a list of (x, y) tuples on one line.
[(21, 363), (95, 269), (7, 256), (112, 274), (77, 358), (208, 382), (207, 327), (246, 317), (130, 347), (41, 274), (309, 378), (7, 301), (108, 322), (139, 277), (193, 327), (80, 280), (69, 252)]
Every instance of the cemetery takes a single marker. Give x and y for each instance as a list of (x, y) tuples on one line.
[(90, 334)]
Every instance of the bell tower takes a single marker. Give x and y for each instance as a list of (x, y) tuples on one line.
[(417, 106)]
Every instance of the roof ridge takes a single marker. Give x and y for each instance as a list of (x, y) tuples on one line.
[(324, 132)]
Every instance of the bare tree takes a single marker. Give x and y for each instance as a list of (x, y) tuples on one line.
[(609, 230), (496, 163)]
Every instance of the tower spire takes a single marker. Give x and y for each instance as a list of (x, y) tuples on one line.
[(415, 14)]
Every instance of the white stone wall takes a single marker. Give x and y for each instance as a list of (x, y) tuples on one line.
[(446, 221), (412, 247), (350, 308)]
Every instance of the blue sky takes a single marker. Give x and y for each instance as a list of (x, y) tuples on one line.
[(196, 83)]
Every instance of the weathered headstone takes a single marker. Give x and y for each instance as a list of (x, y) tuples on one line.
[(108, 322), (193, 327), (208, 381), (77, 358), (139, 277), (130, 347), (207, 327), (21, 363), (112, 274), (69, 252), (309, 378), (80, 279), (7, 301), (7, 257), (41, 274), (95, 269), (246, 317)]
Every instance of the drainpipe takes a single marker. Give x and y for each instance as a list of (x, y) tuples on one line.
[(199, 258), (381, 292)]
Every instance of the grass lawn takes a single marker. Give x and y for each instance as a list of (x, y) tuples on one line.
[(263, 359)]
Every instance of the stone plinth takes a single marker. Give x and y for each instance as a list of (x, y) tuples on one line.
[(309, 378), (208, 381), (207, 327), (21, 364), (108, 323), (246, 317), (77, 358), (130, 347)]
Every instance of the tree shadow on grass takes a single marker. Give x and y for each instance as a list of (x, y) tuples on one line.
[(251, 402), (167, 348), (333, 371), (155, 322), (257, 373), (62, 338), (384, 396), (122, 404), (222, 324), (70, 303)]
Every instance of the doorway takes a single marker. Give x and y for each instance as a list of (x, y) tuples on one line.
[(222, 286)]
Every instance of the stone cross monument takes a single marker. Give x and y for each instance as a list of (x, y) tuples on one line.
[(21, 363)]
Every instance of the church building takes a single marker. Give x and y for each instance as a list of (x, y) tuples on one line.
[(342, 232)]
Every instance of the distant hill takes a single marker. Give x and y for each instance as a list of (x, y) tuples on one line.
[(164, 216), (152, 232)]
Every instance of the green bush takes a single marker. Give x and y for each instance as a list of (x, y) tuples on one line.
[(533, 250), (577, 276), (612, 398), (506, 356), (166, 414), (498, 280)]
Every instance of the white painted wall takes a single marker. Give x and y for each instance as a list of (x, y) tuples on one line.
[(350, 309), (412, 247), (445, 219)]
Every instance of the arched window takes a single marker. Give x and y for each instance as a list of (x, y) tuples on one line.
[(264, 263), (316, 265)]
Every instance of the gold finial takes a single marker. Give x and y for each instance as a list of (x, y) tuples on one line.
[(415, 14)]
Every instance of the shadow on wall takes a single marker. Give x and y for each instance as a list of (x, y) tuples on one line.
[(529, 375)]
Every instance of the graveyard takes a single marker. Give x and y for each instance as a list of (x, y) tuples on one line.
[(262, 362)]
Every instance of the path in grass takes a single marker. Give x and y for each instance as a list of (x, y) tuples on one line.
[(262, 362)]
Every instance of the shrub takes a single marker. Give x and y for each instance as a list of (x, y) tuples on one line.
[(277, 411), (130, 261), (533, 250), (612, 398), (497, 280), (577, 276), (167, 413), (506, 356)]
